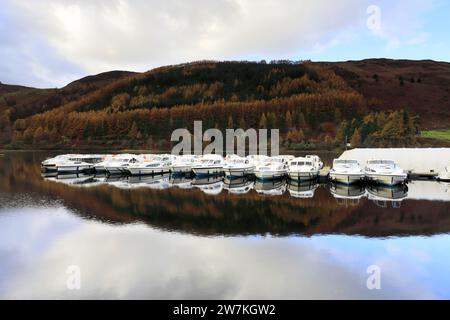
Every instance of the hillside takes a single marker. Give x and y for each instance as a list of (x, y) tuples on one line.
[(314, 104), (421, 87)]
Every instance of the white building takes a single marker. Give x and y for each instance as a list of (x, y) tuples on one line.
[(412, 160)]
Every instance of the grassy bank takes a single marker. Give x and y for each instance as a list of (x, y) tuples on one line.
[(443, 135)]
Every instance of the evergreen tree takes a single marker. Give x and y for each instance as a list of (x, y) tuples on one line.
[(356, 139), (263, 122)]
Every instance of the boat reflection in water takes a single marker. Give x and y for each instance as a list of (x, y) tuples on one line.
[(75, 179), (302, 189), (180, 181), (382, 195), (348, 195), (275, 187), (159, 182), (211, 185), (240, 185)]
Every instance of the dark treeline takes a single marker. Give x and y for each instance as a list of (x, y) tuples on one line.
[(312, 107)]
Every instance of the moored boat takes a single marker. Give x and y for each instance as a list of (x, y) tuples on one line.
[(184, 163), (273, 168), (385, 172), (72, 166), (445, 175), (303, 169), (119, 164), (346, 172), (236, 166), (156, 164), (209, 164)]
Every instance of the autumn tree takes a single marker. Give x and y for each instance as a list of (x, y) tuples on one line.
[(263, 121), (356, 138)]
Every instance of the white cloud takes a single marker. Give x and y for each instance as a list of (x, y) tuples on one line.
[(95, 36), (135, 262), (121, 34)]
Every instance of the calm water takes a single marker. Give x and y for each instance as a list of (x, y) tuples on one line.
[(180, 238)]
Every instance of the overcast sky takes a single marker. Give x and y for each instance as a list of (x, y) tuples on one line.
[(48, 43)]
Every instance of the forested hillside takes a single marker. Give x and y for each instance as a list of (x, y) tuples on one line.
[(315, 105)]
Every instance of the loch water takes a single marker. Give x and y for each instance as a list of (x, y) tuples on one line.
[(174, 237)]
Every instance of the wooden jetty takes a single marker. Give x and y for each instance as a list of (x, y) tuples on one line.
[(323, 174)]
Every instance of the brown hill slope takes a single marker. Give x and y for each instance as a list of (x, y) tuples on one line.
[(422, 87), (23, 102)]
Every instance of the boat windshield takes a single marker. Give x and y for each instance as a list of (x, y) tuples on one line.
[(345, 162), (390, 162)]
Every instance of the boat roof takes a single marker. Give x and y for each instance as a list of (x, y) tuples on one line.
[(212, 157)]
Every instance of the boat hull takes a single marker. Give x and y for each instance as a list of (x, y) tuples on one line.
[(386, 179), (298, 175), (116, 170), (207, 171), (73, 169), (270, 175), (147, 171), (100, 169), (445, 177), (346, 178), (238, 172), (49, 168), (181, 169)]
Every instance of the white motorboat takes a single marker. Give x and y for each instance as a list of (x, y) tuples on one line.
[(184, 163), (156, 164), (385, 172), (257, 159), (119, 163), (273, 168), (346, 171), (209, 164), (236, 166), (303, 169), (72, 166), (51, 164), (316, 160), (445, 175), (99, 167)]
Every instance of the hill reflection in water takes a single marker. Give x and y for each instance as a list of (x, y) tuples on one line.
[(215, 206)]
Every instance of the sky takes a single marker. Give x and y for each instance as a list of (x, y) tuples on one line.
[(49, 43)]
